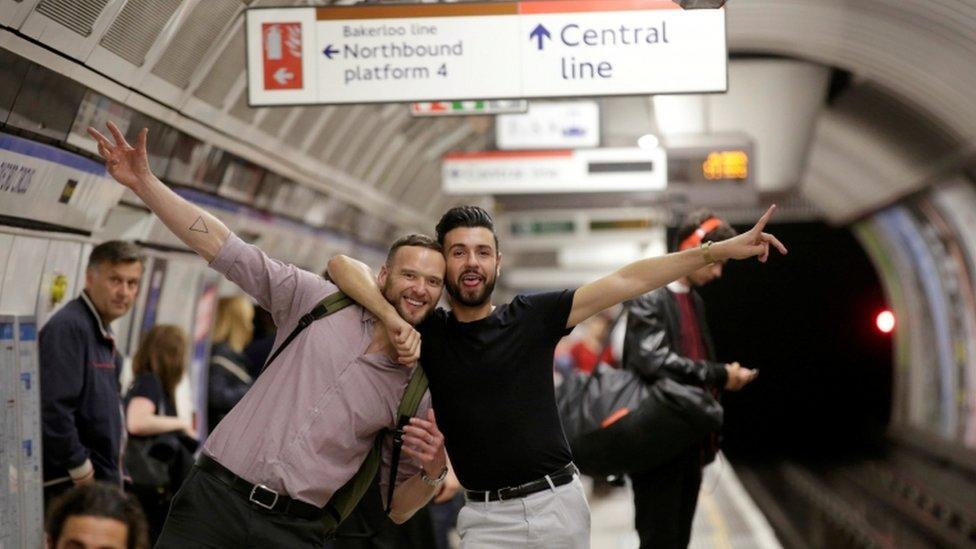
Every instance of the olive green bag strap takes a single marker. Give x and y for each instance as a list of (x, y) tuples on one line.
[(332, 303), (346, 498)]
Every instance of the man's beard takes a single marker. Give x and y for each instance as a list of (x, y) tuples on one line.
[(457, 292)]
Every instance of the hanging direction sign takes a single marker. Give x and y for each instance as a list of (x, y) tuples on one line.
[(469, 51)]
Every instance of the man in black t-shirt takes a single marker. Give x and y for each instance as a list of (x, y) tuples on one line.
[(490, 372)]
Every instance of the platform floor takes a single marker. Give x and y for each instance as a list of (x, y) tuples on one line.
[(726, 517)]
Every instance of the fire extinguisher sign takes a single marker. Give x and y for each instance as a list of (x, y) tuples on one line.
[(281, 44)]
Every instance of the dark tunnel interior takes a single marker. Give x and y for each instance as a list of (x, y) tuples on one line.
[(807, 322)]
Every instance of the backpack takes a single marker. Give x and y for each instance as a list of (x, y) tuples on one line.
[(347, 497)]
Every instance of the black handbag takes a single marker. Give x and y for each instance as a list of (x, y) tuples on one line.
[(158, 463), (615, 422), (148, 460)]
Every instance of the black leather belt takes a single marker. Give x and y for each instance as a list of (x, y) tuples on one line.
[(559, 478), (259, 494)]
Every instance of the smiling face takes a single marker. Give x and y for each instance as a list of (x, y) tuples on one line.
[(112, 287), (412, 281), (473, 265)]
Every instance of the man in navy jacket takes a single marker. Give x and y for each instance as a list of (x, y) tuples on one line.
[(80, 366)]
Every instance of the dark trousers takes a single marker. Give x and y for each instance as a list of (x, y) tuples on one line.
[(664, 501), (207, 513)]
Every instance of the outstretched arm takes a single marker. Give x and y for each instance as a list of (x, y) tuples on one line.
[(129, 165), (645, 275)]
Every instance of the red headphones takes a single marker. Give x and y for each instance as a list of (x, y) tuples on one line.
[(695, 238)]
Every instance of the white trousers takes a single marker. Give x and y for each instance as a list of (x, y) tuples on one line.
[(544, 520)]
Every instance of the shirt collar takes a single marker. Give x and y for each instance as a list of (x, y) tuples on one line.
[(106, 330), (678, 288)]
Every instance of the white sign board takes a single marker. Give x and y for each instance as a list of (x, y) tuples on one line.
[(568, 171), (550, 125), (463, 51), (44, 183)]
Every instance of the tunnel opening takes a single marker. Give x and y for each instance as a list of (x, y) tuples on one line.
[(807, 322)]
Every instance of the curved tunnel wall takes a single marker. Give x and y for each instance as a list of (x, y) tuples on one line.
[(925, 253)]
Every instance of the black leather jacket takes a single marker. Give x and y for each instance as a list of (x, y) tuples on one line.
[(652, 345)]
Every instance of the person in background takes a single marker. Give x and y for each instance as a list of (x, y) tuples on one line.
[(81, 408), (259, 349), (150, 410), (230, 369), (592, 346), (95, 516), (667, 337)]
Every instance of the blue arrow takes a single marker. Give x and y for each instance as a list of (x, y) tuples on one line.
[(540, 32), (329, 51)]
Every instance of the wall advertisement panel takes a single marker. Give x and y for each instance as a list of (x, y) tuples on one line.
[(920, 408), (9, 436), (29, 411)]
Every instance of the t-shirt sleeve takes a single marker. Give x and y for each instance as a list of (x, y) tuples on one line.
[(284, 290), (147, 386), (550, 311)]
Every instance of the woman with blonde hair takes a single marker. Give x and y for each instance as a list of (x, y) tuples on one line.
[(160, 443), (229, 377)]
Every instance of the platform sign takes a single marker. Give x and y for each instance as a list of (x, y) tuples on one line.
[(565, 171), (550, 125), (470, 51)]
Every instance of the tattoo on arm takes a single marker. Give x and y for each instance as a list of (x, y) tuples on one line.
[(199, 226)]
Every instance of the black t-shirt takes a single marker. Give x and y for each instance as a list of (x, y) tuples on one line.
[(149, 386), (492, 388)]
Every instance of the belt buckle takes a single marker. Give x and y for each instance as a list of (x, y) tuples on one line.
[(268, 506), (512, 490)]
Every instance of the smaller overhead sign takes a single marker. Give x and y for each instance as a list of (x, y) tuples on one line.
[(462, 108), (565, 171), (550, 125)]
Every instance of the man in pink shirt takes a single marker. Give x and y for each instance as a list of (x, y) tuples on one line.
[(271, 466)]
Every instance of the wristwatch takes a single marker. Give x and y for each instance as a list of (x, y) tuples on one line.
[(705, 246), (433, 481)]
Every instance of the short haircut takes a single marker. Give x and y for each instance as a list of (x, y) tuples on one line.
[(691, 222), (418, 240), (468, 217), (100, 500), (115, 251)]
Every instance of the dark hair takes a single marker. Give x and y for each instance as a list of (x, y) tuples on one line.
[(115, 251), (692, 221), (162, 353), (465, 216), (419, 240), (98, 500)]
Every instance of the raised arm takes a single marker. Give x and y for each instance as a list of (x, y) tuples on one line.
[(129, 165), (645, 275)]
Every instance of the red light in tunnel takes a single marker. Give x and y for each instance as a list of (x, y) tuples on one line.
[(885, 322)]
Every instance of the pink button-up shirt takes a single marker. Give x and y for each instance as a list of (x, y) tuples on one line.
[(308, 422)]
